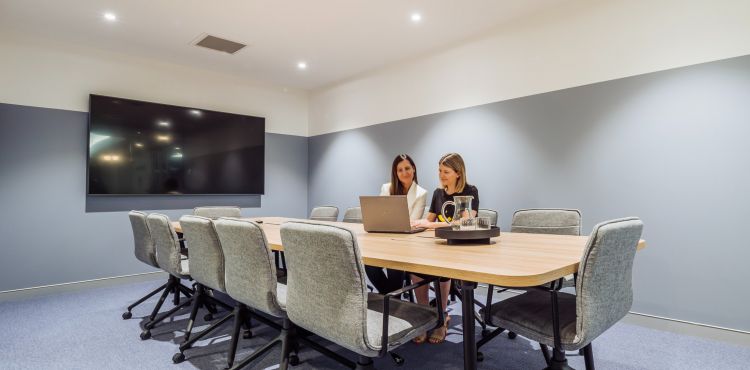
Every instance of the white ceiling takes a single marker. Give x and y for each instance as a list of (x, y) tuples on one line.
[(339, 39)]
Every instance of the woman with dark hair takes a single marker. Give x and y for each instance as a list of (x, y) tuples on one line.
[(452, 173), (403, 182)]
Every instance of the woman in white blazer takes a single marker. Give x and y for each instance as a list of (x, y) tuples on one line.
[(403, 182)]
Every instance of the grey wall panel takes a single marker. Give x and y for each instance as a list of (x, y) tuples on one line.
[(46, 234), (670, 147)]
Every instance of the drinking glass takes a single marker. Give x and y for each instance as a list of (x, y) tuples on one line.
[(469, 223), (483, 223)]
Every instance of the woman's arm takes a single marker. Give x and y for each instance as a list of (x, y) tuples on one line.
[(417, 209), (385, 189), (430, 222)]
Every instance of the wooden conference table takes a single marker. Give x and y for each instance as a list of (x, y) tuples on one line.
[(512, 260)]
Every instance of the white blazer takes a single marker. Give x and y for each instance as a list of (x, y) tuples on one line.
[(416, 198)]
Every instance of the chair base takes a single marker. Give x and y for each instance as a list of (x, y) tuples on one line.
[(172, 285), (364, 363)]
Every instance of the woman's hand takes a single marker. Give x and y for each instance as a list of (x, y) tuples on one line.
[(428, 224), (420, 223)]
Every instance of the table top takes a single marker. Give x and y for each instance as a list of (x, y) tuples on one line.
[(511, 260)]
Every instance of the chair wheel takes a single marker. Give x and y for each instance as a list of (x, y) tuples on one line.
[(247, 334), (208, 317), (486, 332), (146, 334), (480, 356), (178, 357), (398, 360), (512, 335), (293, 360), (127, 315)]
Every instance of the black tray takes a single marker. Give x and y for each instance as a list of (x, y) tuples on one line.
[(467, 236)]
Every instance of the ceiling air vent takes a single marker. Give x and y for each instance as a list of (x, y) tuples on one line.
[(219, 44)]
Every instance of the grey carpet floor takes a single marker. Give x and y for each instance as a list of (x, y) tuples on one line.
[(84, 330)]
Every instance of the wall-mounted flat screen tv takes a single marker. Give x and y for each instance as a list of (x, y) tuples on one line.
[(142, 148)]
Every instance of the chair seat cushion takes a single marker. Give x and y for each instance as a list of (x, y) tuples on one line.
[(530, 315), (406, 320)]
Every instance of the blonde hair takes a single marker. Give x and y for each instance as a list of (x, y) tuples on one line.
[(456, 163)]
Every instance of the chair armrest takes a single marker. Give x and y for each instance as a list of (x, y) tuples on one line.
[(387, 309), (409, 287)]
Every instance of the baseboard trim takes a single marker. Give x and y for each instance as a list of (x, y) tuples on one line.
[(690, 322), (696, 329), (78, 285)]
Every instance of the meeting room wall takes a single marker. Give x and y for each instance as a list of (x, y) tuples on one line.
[(51, 232), (568, 44), (669, 147)]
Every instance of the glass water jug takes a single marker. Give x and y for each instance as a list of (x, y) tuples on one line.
[(461, 212)]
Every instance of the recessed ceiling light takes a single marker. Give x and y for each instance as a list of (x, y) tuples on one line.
[(195, 112), (302, 65), (110, 16), (164, 123), (138, 145), (416, 17)]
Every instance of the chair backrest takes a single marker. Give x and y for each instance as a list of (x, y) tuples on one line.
[(145, 250), (250, 272), (353, 215), (216, 212), (604, 291), (167, 245), (332, 301), (324, 213), (491, 213), (206, 256), (547, 221)]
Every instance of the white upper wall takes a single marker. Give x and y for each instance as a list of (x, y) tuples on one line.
[(578, 43), (47, 74)]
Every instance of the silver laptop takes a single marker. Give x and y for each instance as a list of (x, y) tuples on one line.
[(386, 214)]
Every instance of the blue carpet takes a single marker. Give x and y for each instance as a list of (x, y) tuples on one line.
[(84, 330)]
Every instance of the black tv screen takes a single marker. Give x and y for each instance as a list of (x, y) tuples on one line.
[(142, 148)]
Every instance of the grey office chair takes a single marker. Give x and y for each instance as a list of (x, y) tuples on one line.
[(604, 296), (251, 281), (214, 212), (324, 213), (207, 269), (353, 215), (491, 213), (145, 251), (333, 302), (537, 221), (547, 221), (169, 259)]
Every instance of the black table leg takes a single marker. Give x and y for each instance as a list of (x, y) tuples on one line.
[(467, 308), (558, 361)]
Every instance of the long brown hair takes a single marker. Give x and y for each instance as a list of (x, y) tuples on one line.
[(456, 163), (396, 187)]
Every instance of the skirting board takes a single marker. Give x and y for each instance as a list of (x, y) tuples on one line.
[(10, 295)]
